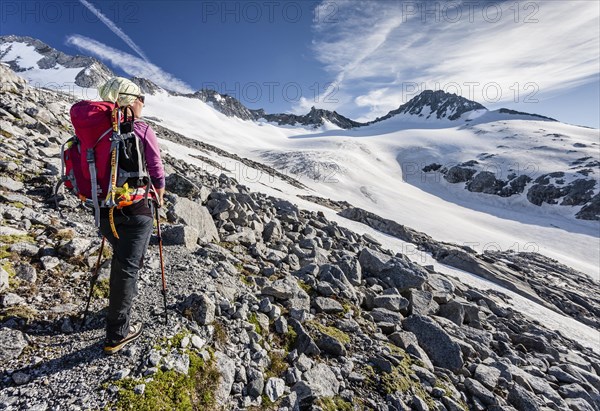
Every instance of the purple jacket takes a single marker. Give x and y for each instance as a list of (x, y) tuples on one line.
[(152, 153)]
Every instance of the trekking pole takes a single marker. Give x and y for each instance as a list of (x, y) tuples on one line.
[(93, 282), (162, 262)]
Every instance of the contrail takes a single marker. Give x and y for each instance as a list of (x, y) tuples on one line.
[(113, 27)]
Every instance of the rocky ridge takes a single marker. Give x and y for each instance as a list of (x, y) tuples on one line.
[(549, 188), (93, 72), (271, 306)]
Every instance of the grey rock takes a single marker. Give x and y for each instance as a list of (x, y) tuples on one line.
[(281, 325), (337, 279), (16, 198), (26, 272), (579, 404), (318, 382), (393, 302), (180, 234), (488, 376), (12, 343), (197, 216), (179, 363), (577, 391), (440, 348), (347, 325), (522, 399), (154, 358), (20, 378), (485, 182), (352, 270), (11, 299), (327, 305), (381, 315), (454, 311), (478, 390), (198, 342), (201, 307), (274, 388), (419, 404), (408, 342), (459, 174), (25, 249), (256, 383), (272, 231), (393, 271), (8, 183), (330, 345), (226, 367), (74, 247), (304, 342), (288, 290), (422, 303), (303, 363), (3, 279), (49, 262)]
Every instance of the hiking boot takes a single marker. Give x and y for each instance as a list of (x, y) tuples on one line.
[(113, 347)]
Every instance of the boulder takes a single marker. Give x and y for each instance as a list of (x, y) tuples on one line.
[(196, 216), (439, 346), (393, 271), (318, 382), (181, 235), (12, 343)]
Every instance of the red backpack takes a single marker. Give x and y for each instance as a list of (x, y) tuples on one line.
[(104, 164)]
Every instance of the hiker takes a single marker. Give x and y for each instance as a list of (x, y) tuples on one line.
[(128, 228)]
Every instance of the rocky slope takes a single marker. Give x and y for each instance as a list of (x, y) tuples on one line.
[(270, 306)]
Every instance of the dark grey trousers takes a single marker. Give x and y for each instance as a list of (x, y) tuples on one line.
[(128, 253)]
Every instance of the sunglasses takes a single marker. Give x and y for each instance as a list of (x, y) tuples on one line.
[(139, 97)]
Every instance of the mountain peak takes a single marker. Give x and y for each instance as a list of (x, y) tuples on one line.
[(437, 104)]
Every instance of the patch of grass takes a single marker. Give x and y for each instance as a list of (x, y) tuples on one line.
[(12, 239), (398, 380), (334, 404), (20, 311), (64, 234), (245, 279), (170, 390), (227, 245), (101, 289), (305, 287), (330, 331), (4, 253), (17, 204), (278, 364), (6, 134), (253, 319), (220, 333)]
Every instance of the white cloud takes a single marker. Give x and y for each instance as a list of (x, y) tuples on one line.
[(113, 27), (132, 65), (378, 51)]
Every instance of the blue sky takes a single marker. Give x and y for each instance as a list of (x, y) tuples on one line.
[(361, 58)]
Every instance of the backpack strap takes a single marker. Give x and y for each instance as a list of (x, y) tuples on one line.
[(63, 177), (91, 160)]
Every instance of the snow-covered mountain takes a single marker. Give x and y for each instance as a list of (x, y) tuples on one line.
[(435, 104), (440, 163), (315, 118), (45, 66)]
